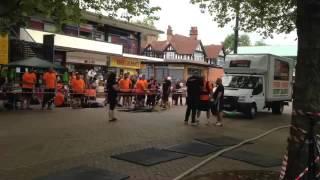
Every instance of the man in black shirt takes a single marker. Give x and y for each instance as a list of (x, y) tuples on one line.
[(218, 100), (194, 85), (166, 88)]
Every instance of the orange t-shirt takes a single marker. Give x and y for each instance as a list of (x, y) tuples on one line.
[(28, 80), (125, 84), (141, 86), (59, 99), (50, 80), (78, 85)]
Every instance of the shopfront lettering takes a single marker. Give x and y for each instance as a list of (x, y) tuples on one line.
[(125, 63)]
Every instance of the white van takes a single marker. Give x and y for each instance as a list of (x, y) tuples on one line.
[(254, 82)]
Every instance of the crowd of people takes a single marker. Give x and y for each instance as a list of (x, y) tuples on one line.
[(204, 96), (51, 89), (129, 91)]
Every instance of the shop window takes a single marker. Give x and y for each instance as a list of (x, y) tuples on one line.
[(70, 30), (85, 34), (194, 72), (36, 24), (170, 55), (99, 36), (176, 74), (50, 27)]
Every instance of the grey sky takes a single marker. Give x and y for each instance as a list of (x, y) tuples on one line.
[(181, 15)]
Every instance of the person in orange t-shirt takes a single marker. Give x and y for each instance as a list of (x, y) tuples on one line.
[(124, 85), (29, 80), (50, 81), (78, 88), (141, 88)]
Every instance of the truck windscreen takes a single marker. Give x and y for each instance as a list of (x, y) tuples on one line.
[(241, 82)]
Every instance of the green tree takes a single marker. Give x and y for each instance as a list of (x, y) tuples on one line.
[(284, 16), (15, 12), (260, 43), (148, 22), (244, 40)]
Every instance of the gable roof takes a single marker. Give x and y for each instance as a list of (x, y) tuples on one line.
[(159, 45), (181, 44), (213, 51), (184, 45)]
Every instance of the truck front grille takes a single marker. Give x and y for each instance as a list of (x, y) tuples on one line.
[(230, 103)]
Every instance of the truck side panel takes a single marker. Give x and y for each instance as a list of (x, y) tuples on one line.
[(280, 78)]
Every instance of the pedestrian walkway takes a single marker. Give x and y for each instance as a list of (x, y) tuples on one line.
[(36, 143)]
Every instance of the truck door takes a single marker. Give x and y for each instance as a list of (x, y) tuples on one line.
[(258, 94)]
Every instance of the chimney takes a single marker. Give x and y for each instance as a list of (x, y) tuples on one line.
[(169, 33), (194, 33)]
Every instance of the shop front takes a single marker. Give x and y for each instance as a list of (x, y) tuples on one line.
[(83, 62), (92, 66), (121, 65)]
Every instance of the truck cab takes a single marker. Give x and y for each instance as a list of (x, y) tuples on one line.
[(244, 93)]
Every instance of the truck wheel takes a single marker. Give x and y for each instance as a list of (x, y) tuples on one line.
[(277, 108), (252, 111)]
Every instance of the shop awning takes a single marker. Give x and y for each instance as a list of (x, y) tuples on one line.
[(35, 62), (76, 43)]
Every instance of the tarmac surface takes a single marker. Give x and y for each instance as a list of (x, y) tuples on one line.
[(36, 143)]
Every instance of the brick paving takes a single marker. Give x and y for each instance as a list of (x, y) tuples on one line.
[(36, 143)]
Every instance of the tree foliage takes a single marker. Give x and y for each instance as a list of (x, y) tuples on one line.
[(148, 22), (62, 11), (260, 43), (244, 40), (262, 16)]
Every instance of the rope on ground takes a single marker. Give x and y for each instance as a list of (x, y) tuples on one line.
[(194, 168)]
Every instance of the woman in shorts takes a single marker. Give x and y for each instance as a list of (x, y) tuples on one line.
[(204, 104)]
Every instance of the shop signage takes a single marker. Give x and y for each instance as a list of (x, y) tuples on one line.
[(240, 63), (122, 62), (4, 41), (86, 58)]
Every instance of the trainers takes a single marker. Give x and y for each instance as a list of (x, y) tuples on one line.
[(186, 122), (113, 119), (219, 124), (195, 124)]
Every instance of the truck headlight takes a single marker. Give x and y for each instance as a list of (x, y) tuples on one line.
[(242, 98)]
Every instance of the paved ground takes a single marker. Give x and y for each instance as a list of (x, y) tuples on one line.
[(36, 143)]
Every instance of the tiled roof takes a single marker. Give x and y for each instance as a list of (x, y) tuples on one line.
[(159, 45), (213, 51), (182, 44)]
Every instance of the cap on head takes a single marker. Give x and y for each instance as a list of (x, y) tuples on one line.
[(169, 78)]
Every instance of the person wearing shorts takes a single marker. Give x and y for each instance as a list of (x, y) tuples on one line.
[(166, 88), (204, 104), (124, 85), (218, 102), (29, 80), (50, 80), (112, 88), (141, 88), (78, 89)]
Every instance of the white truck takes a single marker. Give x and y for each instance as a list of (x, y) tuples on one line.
[(254, 82)]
